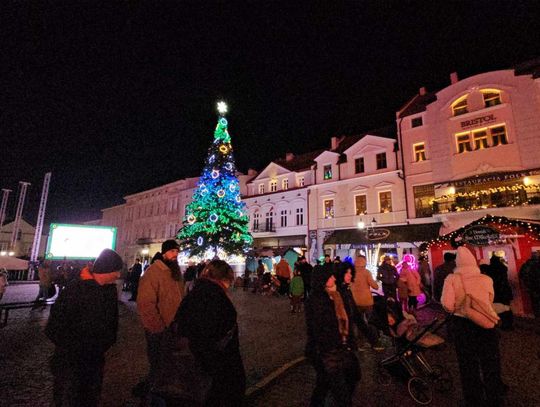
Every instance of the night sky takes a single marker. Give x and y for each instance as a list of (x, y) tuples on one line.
[(118, 97)]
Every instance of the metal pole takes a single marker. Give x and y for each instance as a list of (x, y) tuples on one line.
[(39, 225), (18, 215), (3, 207)]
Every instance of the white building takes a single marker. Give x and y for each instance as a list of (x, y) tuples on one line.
[(23, 241), (150, 217), (277, 203)]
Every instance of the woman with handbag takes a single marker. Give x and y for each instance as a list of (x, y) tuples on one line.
[(477, 347), (329, 340), (207, 318)]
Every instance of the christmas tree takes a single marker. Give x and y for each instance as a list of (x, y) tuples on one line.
[(216, 221)]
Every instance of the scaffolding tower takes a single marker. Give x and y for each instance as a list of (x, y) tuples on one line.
[(40, 219), (18, 214)]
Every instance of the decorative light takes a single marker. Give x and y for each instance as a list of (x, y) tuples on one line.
[(11, 254), (221, 193), (222, 107), (239, 212), (212, 158), (223, 148), (200, 240), (361, 225), (232, 187), (229, 166), (3, 253), (215, 174), (238, 199), (191, 219), (213, 217)]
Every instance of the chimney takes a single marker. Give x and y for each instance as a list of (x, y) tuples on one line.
[(289, 156), (334, 142), (422, 91), (453, 78)]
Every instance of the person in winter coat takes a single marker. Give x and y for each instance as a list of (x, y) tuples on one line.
[(45, 282), (425, 277), (328, 339), (388, 275), (305, 272), (477, 348), (296, 292), (441, 272), (414, 288), (361, 291), (208, 319), (83, 324), (135, 276), (498, 272), (284, 274), (529, 274), (189, 276), (159, 294)]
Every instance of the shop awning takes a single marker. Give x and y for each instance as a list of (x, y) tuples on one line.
[(390, 234), (280, 241)]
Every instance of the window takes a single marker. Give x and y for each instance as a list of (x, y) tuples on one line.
[(417, 122), (480, 139), (261, 188), (273, 186), (301, 181), (283, 218), (460, 106), (498, 135), (269, 227), (463, 143), (385, 201), (359, 165), (299, 216), (285, 184), (491, 98), (381, 161), (419, 152), (328, 208), (423, 200), (256, 218), (327, 171), (360, 204)]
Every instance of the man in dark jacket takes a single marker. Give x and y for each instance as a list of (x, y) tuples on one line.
[(305, 272), (529, 274), (388, 275), (440, 273), (135, 275), (82, 325)]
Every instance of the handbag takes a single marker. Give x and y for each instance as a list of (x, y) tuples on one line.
[(478, 311)]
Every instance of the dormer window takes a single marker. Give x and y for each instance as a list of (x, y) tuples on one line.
[(285, 184), (261, 188), (301, 181), (273, 186), (460, 106), (491, 97), (381, 161), (327, 171)]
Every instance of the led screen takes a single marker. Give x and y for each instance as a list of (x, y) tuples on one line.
[(79, 242)]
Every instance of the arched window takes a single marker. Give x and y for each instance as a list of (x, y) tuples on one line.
[(460, 106), (492, 97)]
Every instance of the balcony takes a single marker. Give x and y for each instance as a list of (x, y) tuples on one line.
[(264, 228), (502, 198)]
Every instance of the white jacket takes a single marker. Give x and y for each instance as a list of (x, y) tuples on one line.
[(476, 284)]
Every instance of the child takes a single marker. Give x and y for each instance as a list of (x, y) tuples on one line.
[(296, 292)]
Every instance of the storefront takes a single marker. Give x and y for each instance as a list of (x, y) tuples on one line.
[(512, 239)]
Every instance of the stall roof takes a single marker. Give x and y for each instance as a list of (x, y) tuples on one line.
[(390, 234)]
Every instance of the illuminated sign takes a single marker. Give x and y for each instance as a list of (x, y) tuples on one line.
[(480, 235), (79, 242), (378, 234)]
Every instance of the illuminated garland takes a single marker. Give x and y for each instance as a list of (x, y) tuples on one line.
[(489, 191), (503, 225), (216, 219)]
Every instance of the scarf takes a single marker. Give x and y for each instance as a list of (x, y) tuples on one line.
[(341, 314)]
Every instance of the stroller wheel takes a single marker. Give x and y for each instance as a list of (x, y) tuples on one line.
[(420, 390)]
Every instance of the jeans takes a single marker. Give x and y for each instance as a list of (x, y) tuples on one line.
[(479, 361)]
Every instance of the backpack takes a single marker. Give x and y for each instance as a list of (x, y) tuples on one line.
[(478, 311)]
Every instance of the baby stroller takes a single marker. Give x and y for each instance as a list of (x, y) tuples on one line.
[(409, 364)]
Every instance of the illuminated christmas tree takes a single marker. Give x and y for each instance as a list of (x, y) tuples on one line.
[(216, 221)]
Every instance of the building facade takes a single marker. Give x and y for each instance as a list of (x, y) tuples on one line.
[(24, 240)]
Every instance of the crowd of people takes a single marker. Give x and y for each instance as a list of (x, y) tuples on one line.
[(189, 321)]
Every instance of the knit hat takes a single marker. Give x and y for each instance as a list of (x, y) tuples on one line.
[(169, 245), (107, 262)]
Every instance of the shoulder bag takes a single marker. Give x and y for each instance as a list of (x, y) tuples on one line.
[(478, 311)]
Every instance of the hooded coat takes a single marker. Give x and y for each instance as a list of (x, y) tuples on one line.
[(475, 283)]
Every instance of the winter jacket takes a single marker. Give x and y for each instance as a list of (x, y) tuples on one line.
[(413, 283), (283, 269), (499, 274), (360, 288), (529, 274), (208, 319), (387, 274), (476, 284), (158, 297), (305, 272), (297, 286), (84, 318)]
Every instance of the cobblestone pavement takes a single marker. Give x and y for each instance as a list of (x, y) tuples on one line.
[(270, 337)]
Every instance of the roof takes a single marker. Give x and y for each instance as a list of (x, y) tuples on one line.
[(348, 141), (417, 104), (299, 162), (389, 234), (531, 67)]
